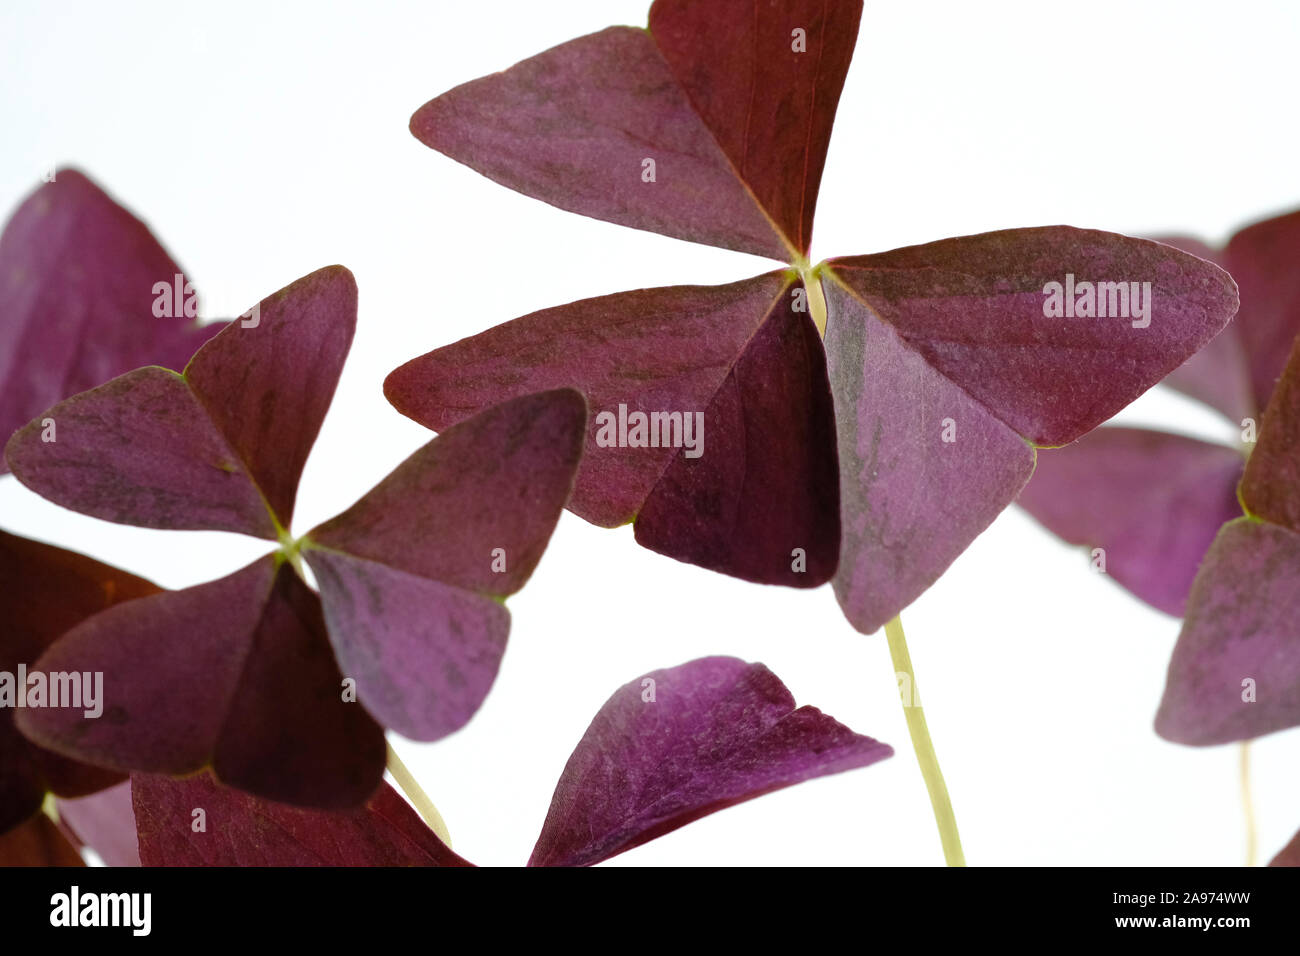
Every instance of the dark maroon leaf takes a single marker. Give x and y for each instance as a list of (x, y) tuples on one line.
[(769, 105), (680, 744), (77, 277), (105, 822), (411, 575), (1271, 488), (241, 830), (267, 386), (221, 447), (736, 121), (1152, 501), (240, 676), (46, 591), (762, 501), (37, 842), (1289, 855)]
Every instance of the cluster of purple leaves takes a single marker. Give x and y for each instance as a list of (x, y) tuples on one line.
[(238, 684), (1168, 509), (826, 459)]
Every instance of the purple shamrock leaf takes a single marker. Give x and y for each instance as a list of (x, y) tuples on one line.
[(77, 299), (716, 136), (1153, 501), (243, 676), (1235, 671), (680, 744), (198, 822), (874, 460), (46, 592)]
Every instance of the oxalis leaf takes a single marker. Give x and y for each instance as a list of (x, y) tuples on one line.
[(681, 743), (46, 592), (77, 277), (873, 462), (1235, 671), (711, 125), (664, 750), (1153, 501), (198, 822), (247, 673)]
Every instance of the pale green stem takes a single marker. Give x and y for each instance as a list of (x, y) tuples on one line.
[(816, 298), (1248, 804), (417, 796), (924, 748)]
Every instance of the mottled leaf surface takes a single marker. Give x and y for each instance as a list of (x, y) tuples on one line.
[(140, 450), (769, 105), (973, 307), (717, 732), (412, 575), (1235, 671), (1153, 501), (736, 119), (242, 830), (910, 502), (77, 273), (241, 677), (220, 447), (267, 386), (46, 591)]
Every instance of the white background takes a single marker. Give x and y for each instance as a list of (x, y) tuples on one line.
[(264, 140)]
